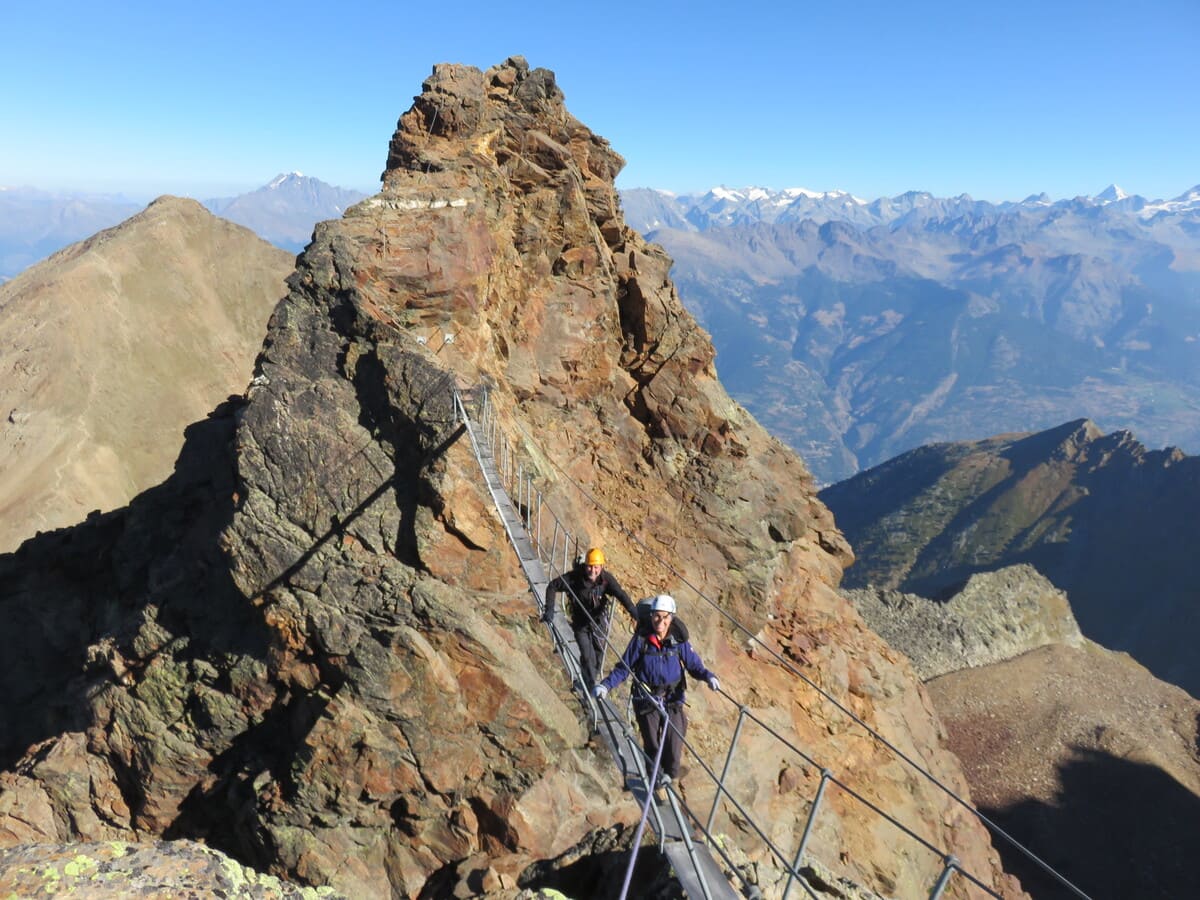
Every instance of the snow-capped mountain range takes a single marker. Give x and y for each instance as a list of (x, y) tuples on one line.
[(856, 330), (649, 209)]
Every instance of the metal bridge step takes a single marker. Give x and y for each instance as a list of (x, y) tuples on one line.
[(685, 870)]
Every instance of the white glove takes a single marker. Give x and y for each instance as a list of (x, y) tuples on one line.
[(714, 684), (599, 692)]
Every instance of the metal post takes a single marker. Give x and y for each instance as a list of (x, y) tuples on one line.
[(637, 837), (812, 817), (528, 502), (538, 529), (944, 879), (737, 732), (553, 546)]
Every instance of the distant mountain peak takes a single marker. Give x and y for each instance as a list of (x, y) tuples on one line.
[(282, 179), (285, 209), (1111, 194), (285, 179)]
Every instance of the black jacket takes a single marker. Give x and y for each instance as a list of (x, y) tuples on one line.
[(588, 598)]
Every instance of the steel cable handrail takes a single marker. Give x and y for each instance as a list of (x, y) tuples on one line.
[(516, 474), (649, 779), (788, 666), (526, 493)]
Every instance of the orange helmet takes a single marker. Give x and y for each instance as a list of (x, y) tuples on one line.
[(595, 557)]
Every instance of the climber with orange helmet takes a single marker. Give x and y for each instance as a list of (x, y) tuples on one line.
[(589, 585)]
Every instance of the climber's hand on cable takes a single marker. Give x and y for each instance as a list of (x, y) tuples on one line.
[(714, 683), (599, 692)]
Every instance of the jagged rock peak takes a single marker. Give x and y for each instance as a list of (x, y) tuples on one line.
[(507, 116)]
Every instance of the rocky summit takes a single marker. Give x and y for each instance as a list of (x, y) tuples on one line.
[(114, 345), (312, 647)]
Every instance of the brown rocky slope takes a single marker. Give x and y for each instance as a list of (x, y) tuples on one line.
[(1073, 749), (314, 648), (1082, 753), (112, 346)]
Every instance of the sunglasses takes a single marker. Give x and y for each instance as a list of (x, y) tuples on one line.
[(659, 616)]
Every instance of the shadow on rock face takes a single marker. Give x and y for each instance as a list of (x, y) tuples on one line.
[(77, 602), (1117, 829), (596, 868)]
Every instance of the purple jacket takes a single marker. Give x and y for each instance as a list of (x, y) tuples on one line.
[(657, 671)]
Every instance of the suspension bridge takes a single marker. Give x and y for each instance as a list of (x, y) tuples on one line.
[(700, 858)]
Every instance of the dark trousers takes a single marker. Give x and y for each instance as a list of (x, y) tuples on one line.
[(590, 639), (650, 723)]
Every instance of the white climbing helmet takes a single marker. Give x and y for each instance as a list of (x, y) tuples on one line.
[(663, 603)]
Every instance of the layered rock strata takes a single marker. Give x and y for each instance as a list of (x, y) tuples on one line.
[(382, 714)]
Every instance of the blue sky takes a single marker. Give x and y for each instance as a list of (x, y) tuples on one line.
[(998, 100)]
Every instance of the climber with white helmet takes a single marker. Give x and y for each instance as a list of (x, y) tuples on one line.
[(589, 585), (658, 661)]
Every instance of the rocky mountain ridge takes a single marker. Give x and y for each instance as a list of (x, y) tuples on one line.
[(1081, 751), (1065, 742), (312, 648), (111, 347), (1102, 517), (36, 223), (995, 616)]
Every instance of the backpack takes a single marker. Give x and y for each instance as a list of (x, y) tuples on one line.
[(679, 630)]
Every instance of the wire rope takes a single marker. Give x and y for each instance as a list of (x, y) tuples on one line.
[(789, 667)]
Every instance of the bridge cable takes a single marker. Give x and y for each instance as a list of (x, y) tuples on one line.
[(788, 666)]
